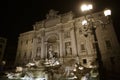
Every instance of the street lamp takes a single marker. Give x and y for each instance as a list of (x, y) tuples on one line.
[(89, 26)]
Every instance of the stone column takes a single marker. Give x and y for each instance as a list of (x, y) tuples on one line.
[(45, 49), (34, 45), (73, 41), (42, 44), (42, 47), (61, 43)]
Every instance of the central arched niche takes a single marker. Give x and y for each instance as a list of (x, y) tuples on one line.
[(52, 47)]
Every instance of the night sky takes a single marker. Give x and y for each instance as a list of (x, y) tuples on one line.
[(18, 16)]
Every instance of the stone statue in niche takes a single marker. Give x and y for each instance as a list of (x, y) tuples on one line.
[(68, 48), (50, 55), (38, 53), (52, 14), (50, 52)]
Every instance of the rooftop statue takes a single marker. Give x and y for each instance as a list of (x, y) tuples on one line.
[(52, 14)]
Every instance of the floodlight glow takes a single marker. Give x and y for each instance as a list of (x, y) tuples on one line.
[(75, 77), (32, 64), (57, 63), (81, 68), (86, 7), (74, 69), (84, 22), (107, 12), (90, 6)]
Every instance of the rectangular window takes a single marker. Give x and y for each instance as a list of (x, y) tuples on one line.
[(67, 34), (83, 47), (84, 61), (108, 44)]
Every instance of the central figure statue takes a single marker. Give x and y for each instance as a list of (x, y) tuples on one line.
[(50, 52)]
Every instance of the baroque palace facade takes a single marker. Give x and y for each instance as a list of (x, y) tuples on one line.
[(63, 34)]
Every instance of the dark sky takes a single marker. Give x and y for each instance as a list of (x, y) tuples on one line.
[(18, 16)]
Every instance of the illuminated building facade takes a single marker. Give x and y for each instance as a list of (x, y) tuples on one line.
[(63, 35)]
